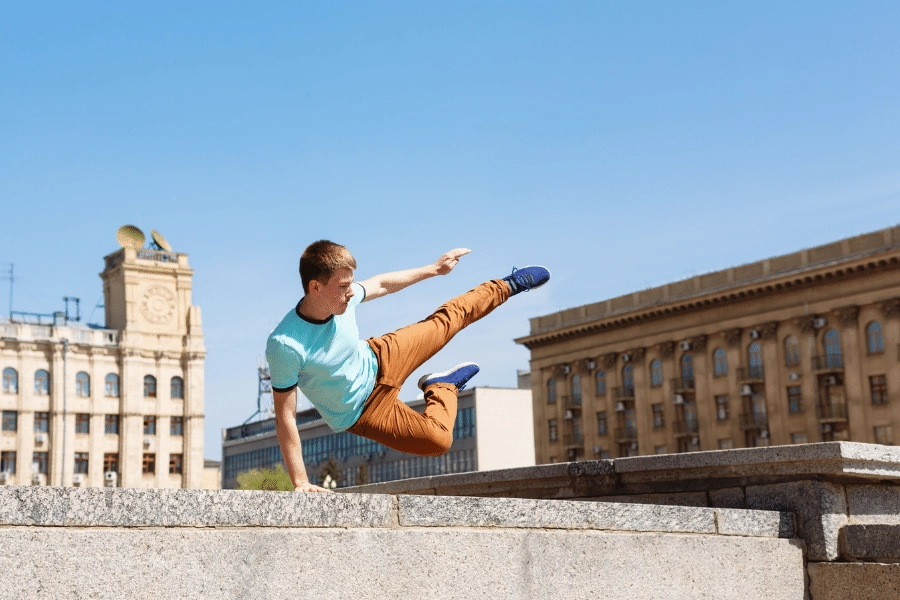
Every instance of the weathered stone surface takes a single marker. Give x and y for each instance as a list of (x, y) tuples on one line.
[(727, 498), (854, 581), (131, 507), (671, 499), (871, 542), (819, 508), (874, 503), (759, 523), (393, 563), (444, 511)]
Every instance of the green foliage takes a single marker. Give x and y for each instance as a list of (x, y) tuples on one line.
[(275, 480), (362, 475)]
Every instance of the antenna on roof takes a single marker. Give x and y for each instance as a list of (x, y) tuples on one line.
[(159, 242), (130, 236), (11, 278), (265, 403)]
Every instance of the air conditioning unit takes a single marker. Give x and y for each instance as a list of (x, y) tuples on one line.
[(685, 345), (4, 476), (826, 428), (597, 449), (794, 376), (110, 478), (831, 380), (695, 441), (679, 399), (566, 369), (634, 445), (620, 407), (40, 438), (820, 322), (569, 415), (77, 479), (147, 442), (626, 357), (764, 433), (746, 390), (592, 365), (572, 453), (754, 334), (37, 479)]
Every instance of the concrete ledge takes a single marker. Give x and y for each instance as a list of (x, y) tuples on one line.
[(879, 543), (854, 581), (874, 503)]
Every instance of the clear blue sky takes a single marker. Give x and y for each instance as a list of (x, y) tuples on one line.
[(622, 144)]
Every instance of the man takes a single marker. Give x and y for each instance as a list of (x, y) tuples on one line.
[(355, 385)]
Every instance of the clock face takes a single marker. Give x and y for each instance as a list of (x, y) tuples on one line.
[(158, 304)]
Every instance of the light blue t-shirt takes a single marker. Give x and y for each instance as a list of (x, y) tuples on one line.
[(326, 360)]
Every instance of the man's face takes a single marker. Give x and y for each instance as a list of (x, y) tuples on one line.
[(336, 294)]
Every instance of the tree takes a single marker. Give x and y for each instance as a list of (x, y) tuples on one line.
[(362, 475), (275, 480), (331, 468)]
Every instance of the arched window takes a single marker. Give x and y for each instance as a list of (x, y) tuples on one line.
[(600, 381), (687, 372), (628, 380), (10, 381), (720, 362), (754, 359), (112, 385), (551, 391), (832, 341), (874, 338), (177, 387), (82, 384), (791, 351), (576, 389), (41, 382), (149, 386), (656, 376)]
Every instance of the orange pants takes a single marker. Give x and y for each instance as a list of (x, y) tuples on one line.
[(389, 421)]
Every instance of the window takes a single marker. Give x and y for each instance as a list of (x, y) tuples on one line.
[(659, 418), (687, 372), (149, 464), (111, 424), (602, 428), (551, 391), (82, 384), (111, 462), (656, 374), (884, 434), (10, 381), (552, 430), (832, 342), (628, 380), (720, 363), (754, 359), (661, 450), (39, 462), (798, 438), (576, 389), (791, 351), (175, 464), (149, 386), (725, 444), (10, 420), (176, 426), (81, 462), (878, 386), (722, 412), (795, 399), (177, 387), (112, 385), (82, 423), (8, 462), (41, 422), (600, 382), (149, 425), (874, 339), (41, 382)]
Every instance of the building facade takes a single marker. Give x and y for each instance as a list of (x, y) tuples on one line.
[(493, 430), (798, 348), (120, 405)]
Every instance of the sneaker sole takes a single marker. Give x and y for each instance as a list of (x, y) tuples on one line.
[(428, 376)]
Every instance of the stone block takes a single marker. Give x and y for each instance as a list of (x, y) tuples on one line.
[(727, 498), (819, 507), (874, 503), (854, 581), (697, 499), (871, 542), (758, 523)]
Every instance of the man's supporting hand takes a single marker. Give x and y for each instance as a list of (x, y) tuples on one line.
[(448, 260), (308, 487)]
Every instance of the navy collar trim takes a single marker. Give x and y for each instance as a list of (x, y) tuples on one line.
[(307, 319)]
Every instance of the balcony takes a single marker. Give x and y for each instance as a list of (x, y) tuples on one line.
[(573, 440), (754, 421), (626, 434), (830, 363), (571, 402), (831, 413), (623, 393), (754, 374), (683, 384), (686, 428)]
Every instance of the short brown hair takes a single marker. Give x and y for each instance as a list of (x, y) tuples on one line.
[(321, 260)]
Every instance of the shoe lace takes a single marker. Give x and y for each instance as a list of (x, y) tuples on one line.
[(524, 280)]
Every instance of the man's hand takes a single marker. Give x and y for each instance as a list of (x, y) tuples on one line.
[(308, 487), (448, 260)]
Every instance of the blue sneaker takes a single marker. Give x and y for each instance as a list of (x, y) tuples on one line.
[(526, 278), (458, 376)]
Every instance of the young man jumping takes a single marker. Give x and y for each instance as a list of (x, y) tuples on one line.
[(354, 384)]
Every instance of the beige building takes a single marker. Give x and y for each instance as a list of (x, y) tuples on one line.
[(796, 348), (120, 405)]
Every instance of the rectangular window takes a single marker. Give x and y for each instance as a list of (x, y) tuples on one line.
[(41, 422), (552, 430), (176, 426), (111, 462), (82, 423), (725, 444), (175, 464), (149, 466), (878, 386), (884, 435), (798, 438), (8, 462), (661, 450), (602, 428), (722, 411), (81, 462), (111, 424), (149, 425), (795, 399), (10, 420), (659, 418), (39, 462)]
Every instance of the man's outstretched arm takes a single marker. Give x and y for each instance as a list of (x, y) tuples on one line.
[(388, 283), (289, 439)]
